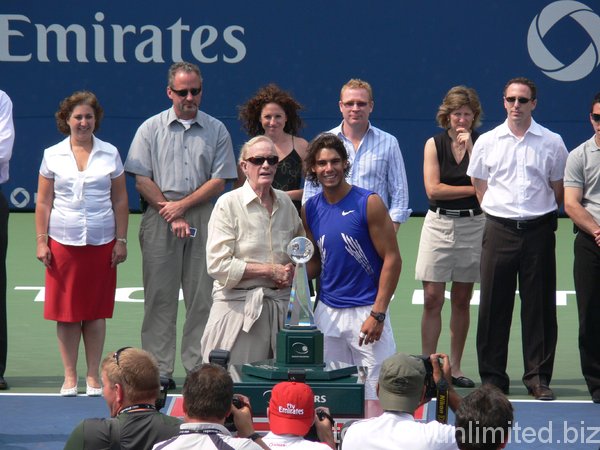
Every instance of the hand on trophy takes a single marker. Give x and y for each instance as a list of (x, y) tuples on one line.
[(282, 275)]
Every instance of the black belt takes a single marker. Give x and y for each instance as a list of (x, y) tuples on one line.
[(524, 224), (456, 212)]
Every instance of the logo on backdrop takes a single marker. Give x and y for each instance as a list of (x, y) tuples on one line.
[(543, 57)]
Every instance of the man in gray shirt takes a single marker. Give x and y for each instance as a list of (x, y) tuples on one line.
[(582, 204), (181, 159)]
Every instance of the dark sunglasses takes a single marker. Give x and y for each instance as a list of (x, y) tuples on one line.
[(595, 117), (184, 92), (521, 100), (260, 160), (117, 353)]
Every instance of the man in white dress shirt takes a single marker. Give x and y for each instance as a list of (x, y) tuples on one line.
[(517, 170), (7, 138)]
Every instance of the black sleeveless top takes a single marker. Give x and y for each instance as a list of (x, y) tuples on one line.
[(452, 173), (288, 176)]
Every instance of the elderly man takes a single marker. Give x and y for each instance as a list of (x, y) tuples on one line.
[(131, 386), (374, 155), (248, 235), (181, 159)]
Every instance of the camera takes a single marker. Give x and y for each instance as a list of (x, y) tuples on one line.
[(239, 404), (438, 391), (430, 386), (161, 400)]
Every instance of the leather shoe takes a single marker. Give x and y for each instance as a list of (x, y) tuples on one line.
[(168, 382), (541, 392), (463, 382), (3, 384), (596, 396)]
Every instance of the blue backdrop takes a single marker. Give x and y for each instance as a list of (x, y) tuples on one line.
[(411, 53)]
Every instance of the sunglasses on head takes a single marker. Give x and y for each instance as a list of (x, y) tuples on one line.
[(521, 100), (184, 92), (596, 117), (117, 353), (260, 160)]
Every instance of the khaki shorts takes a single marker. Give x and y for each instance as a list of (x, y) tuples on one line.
[(450, 248)]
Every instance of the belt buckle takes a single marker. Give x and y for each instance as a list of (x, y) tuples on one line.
[(521, 224), (453, 212)]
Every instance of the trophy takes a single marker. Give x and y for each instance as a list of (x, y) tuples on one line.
[(300, 315), (299, 343)]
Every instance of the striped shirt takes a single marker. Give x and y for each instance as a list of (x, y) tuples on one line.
[(376, 165)]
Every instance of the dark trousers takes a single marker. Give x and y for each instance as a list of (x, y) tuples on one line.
[(586, 273), (528, 256), (3, 247)]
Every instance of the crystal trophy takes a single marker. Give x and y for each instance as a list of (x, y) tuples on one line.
[(300, 314)]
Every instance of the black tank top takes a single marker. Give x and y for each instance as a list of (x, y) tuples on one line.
[(452, 173)]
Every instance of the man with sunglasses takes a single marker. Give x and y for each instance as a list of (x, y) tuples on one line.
[(517, 170), (375, 158), (181, 159), (130, 385), (582, 204)]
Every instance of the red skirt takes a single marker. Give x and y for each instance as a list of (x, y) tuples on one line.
[(80, 284)]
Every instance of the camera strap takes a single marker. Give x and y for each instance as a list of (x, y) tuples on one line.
[(441, 406)]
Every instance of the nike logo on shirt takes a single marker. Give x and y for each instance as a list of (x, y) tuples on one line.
[(345, 213)]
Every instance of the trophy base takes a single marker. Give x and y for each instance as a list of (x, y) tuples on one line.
[(299, 346), (271, 369)]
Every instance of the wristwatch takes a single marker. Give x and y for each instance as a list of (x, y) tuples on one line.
[(122, 240), (379, 317)]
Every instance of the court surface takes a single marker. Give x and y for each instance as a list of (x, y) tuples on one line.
[(34, 367)]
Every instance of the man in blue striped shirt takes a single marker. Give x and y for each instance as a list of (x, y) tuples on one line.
[(375, 158)]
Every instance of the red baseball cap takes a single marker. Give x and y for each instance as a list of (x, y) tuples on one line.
[(291, 408)]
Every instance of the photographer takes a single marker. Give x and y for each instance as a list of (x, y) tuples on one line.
[(131, 387), (207, 402), (292, 413), (402, 388)]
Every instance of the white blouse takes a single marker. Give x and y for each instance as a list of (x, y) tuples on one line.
[(82, 210)]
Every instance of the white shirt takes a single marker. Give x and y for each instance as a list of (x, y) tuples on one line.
[(7, 135), (398, 431), (82, 211), (377, 166), (518, 171), (290, 441), (199, 437)]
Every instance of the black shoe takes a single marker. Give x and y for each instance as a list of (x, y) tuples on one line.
[(541, 392), (3, 384), (170, 382), (463, 382), (596, 396)]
